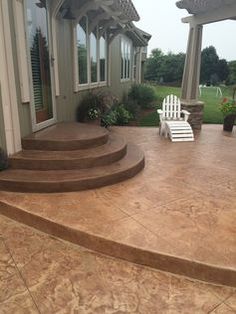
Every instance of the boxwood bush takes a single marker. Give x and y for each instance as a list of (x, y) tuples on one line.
[(143, 95)]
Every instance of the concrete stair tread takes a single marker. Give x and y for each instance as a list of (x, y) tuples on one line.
[(113, 150), (71, 180), (66, 136)]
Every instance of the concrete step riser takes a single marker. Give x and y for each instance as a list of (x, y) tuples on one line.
[(32, 144), (73, 185), (68, 164)]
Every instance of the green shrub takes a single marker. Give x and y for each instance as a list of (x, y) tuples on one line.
[(3, 160), (90, 101), (123, 116), (144, 95), (108, 119), (118, 115), (132, 106), (95, 103)]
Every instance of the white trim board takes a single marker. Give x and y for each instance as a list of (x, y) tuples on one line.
[(8, 85)]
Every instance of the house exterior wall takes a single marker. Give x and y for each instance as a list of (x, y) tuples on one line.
[(117, 86), (68, 100), (23, 108), (2, 126)]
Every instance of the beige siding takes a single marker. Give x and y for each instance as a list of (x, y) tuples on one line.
[(118, 87), (2, 127), (68, 100)]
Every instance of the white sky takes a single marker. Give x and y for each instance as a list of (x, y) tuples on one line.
[(162, 19)]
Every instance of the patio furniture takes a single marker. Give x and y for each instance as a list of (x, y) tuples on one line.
[(172, 124)]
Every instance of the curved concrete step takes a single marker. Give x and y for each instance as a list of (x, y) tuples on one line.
[(73, 180), (112, 151), (66, 136)]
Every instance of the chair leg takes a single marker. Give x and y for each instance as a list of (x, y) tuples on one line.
[(160, 129)]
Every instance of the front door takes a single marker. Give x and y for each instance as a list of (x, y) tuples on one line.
[(39, 51)]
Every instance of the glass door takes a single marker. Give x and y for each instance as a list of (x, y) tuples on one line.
[(40, 63)]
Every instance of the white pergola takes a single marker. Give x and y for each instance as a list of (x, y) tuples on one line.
[(202, 12)]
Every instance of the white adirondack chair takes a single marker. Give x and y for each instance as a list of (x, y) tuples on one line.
[(171, 122)]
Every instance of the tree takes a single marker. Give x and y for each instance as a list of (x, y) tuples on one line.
[(232, 73), (164, 68), (173, 67), (223, 70), (153, 65), (209, 62), (213, 69)]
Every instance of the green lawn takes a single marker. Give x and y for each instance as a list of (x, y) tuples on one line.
[(211, 108)]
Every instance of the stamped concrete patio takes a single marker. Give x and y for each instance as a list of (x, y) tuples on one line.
[(177, 215), (41, 274)]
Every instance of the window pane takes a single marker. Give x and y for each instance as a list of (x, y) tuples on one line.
[(102, 59), (129, 59), (40, 60), (126, 60), (122, 59), (82, 50), (93, 57)]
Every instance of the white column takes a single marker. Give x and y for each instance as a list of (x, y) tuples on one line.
[(191, 74)]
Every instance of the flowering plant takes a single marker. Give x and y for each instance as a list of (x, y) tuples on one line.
[(93, 113), (228, 106)]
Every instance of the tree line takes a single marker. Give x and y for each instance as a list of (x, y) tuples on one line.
[(168, 68)]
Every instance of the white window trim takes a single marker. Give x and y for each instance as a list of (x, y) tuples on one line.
[(7, 84), (18, 11), (55, 6), (90, 85), (126, 40), (55, 56)]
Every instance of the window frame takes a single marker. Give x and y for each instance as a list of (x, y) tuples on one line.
[(126, 72), (90, 84)]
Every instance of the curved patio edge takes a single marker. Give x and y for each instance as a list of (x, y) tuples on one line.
[(158, 260)]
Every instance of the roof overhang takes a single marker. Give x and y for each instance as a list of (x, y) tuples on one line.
[(138, 36)]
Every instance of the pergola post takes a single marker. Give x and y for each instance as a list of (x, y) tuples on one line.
[(191, 77)]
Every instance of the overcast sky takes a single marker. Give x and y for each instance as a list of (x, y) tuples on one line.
[(162, 19)]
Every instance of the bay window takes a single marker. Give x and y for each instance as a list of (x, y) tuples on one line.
[(91, 55)]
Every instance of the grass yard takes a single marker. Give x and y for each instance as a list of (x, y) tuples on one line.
[(211, 109)]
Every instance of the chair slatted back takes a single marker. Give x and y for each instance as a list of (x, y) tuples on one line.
[(171, 108)]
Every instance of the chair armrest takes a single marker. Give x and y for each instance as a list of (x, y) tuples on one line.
[(160, 112), (186, 114)]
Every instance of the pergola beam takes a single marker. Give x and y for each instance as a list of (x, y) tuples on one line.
[(220, 14), (99, 17)]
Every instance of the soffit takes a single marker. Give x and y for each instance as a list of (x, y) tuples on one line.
[(196, 7)]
